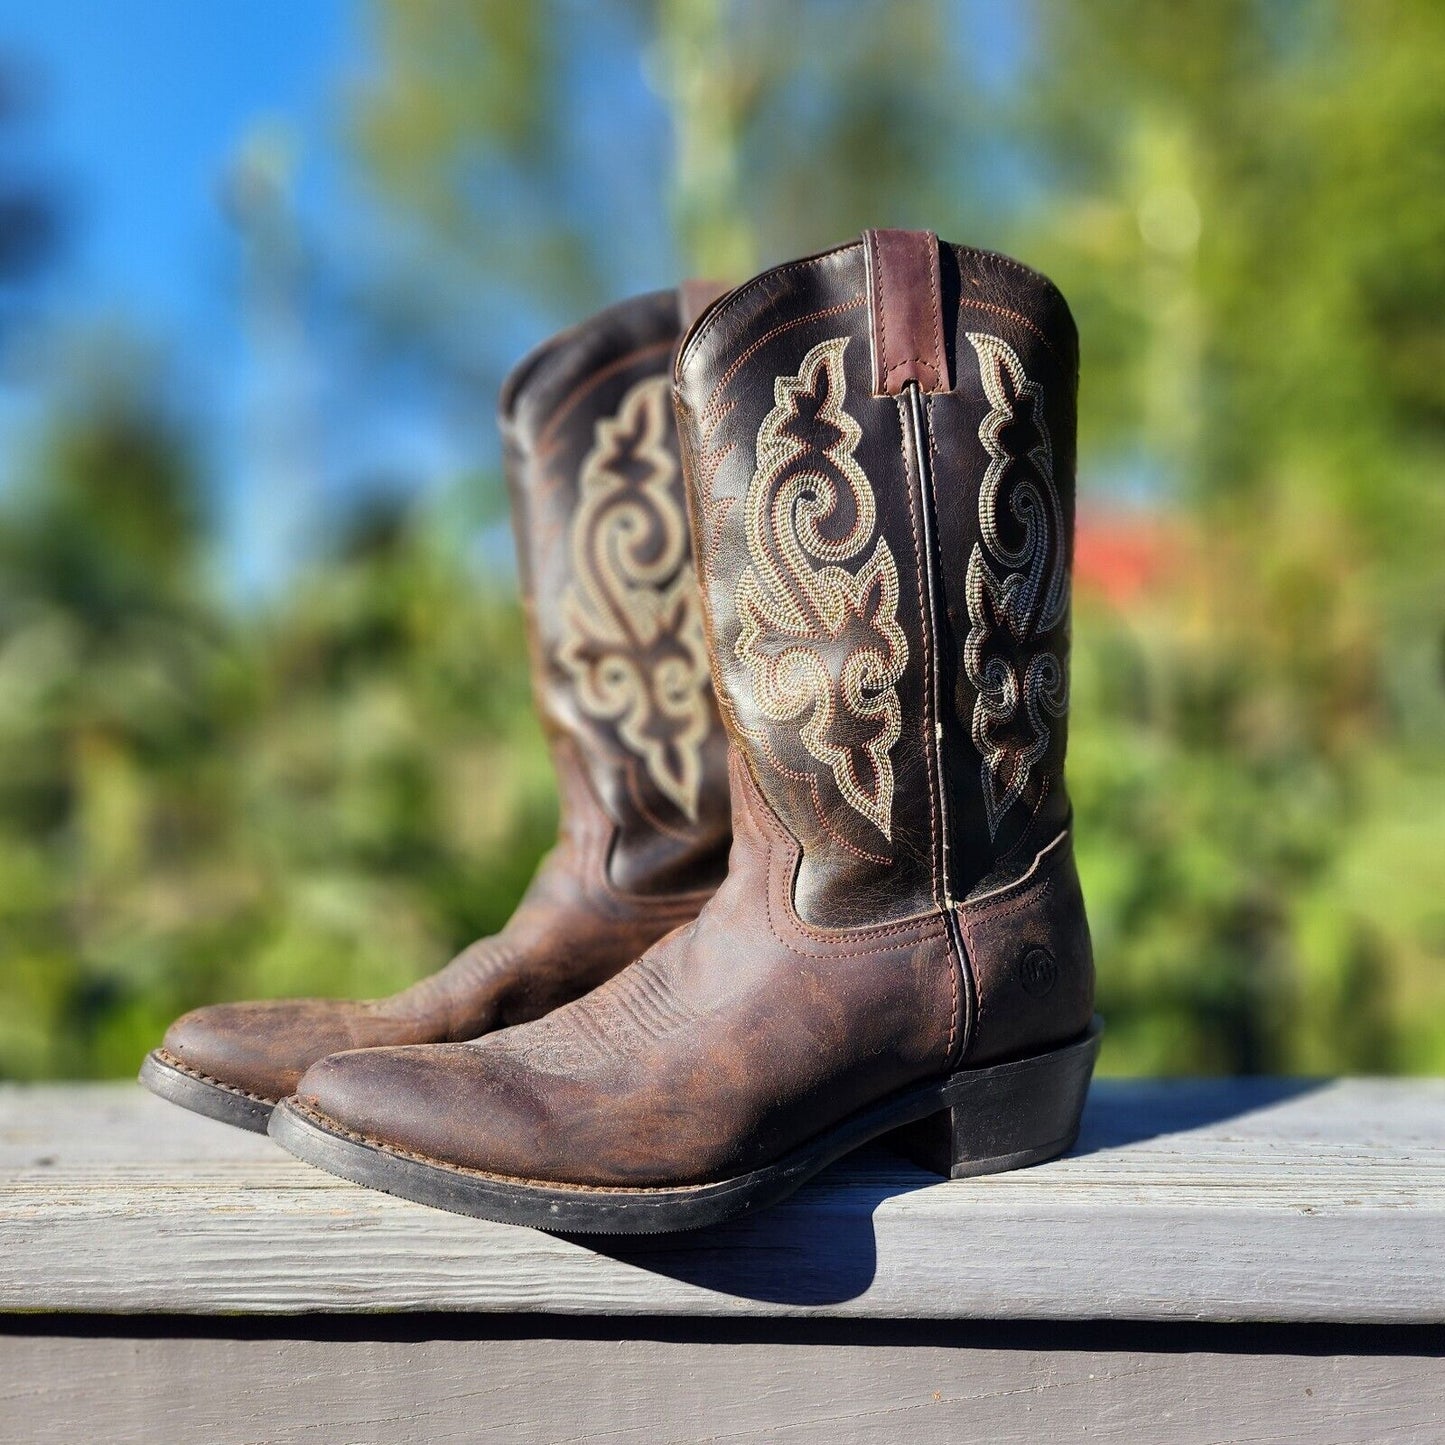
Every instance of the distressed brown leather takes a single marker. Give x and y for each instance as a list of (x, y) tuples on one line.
[(885, 578), (621, 681), (728, 1041)]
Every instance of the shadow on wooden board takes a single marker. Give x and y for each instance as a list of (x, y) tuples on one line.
[(820, 1247), (1122, 1112)]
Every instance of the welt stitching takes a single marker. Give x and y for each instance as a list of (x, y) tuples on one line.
[(333, 1126), (173, 1062)]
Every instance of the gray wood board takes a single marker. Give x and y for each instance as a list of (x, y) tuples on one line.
[(56, 1391), (1212, 1200)]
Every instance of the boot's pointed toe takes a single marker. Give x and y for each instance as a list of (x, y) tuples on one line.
[(255, 1047), (465, 1105), (235, 1062)]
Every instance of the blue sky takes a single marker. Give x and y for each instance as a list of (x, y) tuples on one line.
[(141, 107), (138, 110)]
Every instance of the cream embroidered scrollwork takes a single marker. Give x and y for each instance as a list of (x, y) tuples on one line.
[(632, 618), (822, 643), (1021, 590)]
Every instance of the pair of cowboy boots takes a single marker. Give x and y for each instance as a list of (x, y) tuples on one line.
[(842, 644)]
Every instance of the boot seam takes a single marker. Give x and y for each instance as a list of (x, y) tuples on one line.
[(963, 984), (925, 617), (909, 417)]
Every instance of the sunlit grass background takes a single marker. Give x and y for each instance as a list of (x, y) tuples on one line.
[(264, 721)]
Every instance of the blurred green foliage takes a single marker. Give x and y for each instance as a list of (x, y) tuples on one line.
[(329, 795), (1244, 201)]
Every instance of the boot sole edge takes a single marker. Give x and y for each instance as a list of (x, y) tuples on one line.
[(212, 1099), (1054, 1082)]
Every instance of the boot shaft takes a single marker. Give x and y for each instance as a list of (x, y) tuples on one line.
[(880, 449), (614, 621)]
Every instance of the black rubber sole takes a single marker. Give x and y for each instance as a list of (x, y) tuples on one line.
[(980, 1121), (204, 1096)]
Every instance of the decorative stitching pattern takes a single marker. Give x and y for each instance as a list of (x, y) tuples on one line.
[(716, 409), (1026, 596), (905, 933), (548, 435), (822, 643), (632, 621), (976, 305)]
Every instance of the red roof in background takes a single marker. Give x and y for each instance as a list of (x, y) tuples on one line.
[(1124, 556)]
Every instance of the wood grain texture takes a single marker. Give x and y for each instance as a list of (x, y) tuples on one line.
[(1223, 1200), (646, 1392)]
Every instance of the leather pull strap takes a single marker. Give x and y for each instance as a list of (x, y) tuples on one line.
[(905, 299), (694, 297)]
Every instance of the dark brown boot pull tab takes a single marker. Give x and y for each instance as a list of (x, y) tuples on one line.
[(905, 299)]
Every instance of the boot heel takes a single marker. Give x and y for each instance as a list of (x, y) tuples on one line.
[(1005, 1116)]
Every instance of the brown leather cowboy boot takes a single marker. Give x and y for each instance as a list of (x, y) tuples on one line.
[(879, 445), (621, 680)]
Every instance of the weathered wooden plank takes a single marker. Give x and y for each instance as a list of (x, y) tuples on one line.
[(1214, 1201), (55, 1391)]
